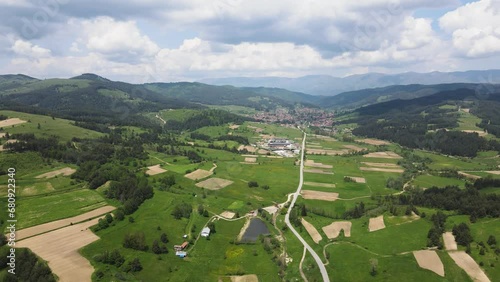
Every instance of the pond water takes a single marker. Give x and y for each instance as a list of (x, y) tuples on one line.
[(255, 228)]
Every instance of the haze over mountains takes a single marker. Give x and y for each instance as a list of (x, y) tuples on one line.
[(328, 85)]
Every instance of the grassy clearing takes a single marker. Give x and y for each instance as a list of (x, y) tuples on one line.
[(62, 128), (41, 209), (358, 264), (210, 258), (427, 181)]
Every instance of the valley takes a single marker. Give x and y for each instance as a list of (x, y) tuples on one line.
[(134, 175)]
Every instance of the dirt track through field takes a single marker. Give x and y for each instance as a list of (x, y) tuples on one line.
[(379, 169), (11, 121), (60, 249), (468, 175), (449, 241), (332, 231), (53, 225), (317, 184), (465, 262), (430, 260), (154, 170), (318, 195), (496, 172), (64, 171), (376, 223), (313, 232)]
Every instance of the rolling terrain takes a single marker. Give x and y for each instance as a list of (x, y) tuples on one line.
[(388, 187)]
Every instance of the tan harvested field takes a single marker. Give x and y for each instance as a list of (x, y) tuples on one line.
[(214, 183), (318, 195), (479, 132), (496, 172), (11, 121), (468, 175), (318, 171), (313, 232), (357, 179), (154, 170), (376, 223), (227, 214), (46, 227), (430, 260), (381, 164), (234, 126), (465, 110), (2, 134), (262, 151), (354, 147), (249, 148), (245, 278), (382, 169), (60, 249), (383, 155), (332, 231), (198, 174), (271, 209), (273, 157), (327, 151), (325, 137), (250, 160), (311, 163), (469, 265), (64, 171), (449, 241), (317, 184), (375, 142)]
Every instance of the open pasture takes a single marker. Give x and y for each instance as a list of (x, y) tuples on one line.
[(65, 129), (36, 210)]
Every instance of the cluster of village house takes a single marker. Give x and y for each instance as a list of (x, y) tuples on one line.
[(180, 249)]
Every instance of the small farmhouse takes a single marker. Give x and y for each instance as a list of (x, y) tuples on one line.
[(205, 232), (181, 254)]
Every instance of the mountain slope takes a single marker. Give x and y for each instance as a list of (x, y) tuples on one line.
[(359, 98), (329, 85)]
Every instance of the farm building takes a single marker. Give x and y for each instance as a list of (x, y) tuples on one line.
[(181, 254), (181, 247), (205, 232)]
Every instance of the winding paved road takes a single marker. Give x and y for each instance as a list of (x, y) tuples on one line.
[(318, 260)]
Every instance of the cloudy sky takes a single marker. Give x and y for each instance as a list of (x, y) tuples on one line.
[(173, 40)]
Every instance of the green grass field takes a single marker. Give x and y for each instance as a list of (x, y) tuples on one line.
[(59, 127), (36, 210), (427, 181)]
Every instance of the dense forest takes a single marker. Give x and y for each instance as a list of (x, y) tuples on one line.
[(204, 118)]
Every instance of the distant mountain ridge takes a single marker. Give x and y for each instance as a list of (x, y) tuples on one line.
[(328, 85)]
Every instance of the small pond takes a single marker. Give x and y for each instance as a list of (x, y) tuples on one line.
[(255, 228)]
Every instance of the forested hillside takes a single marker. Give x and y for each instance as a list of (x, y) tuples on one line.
[(425, 122)]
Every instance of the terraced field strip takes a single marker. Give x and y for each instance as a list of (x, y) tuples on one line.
[(429, 260), (313, 232), (46, 227), (469, 265), (64, 171), (379, 169), (318, 195), (60, 249)]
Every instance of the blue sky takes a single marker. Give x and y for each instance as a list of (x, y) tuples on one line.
[(158, 40)]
